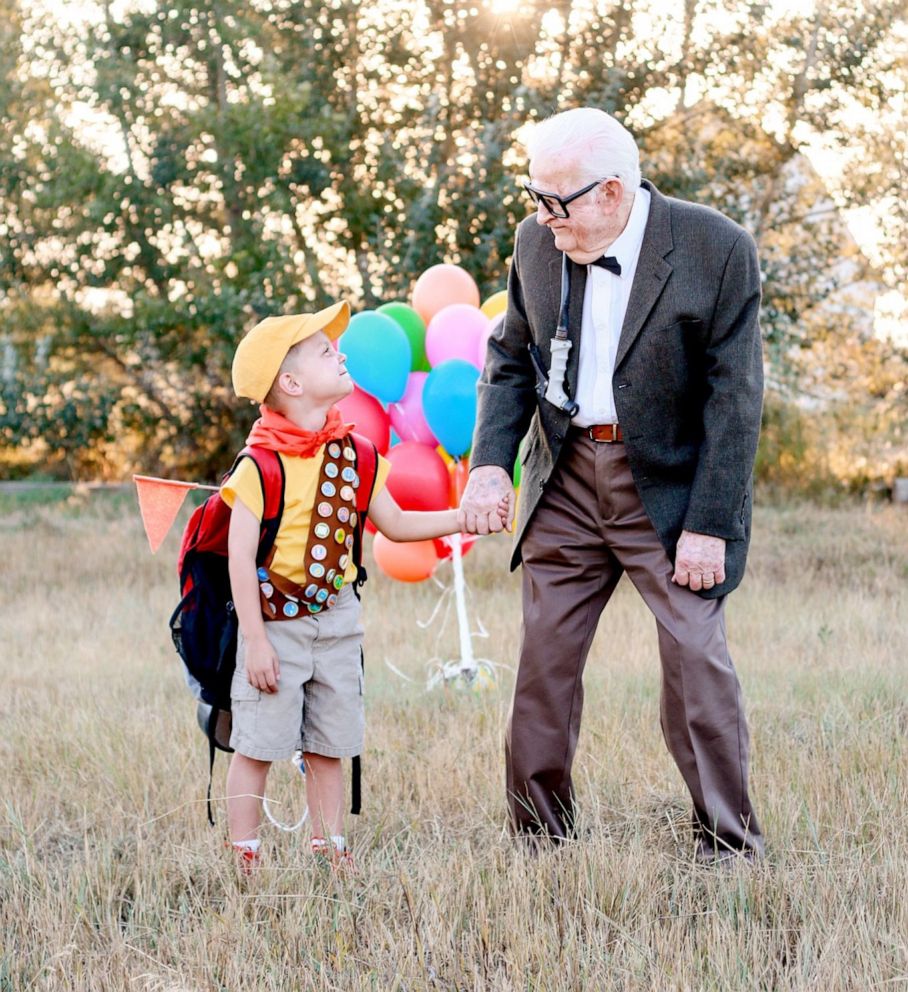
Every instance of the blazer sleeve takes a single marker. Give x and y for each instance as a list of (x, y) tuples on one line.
[(733, 399), (506, 396)]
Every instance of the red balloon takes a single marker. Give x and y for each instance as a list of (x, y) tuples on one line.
[(445, 550), (406, 561), (419, 478), (370, 417)]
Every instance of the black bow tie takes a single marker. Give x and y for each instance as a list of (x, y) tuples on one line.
[(609, 262)]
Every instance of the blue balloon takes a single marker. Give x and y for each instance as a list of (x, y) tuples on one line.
[(449, 404), (378, 355)]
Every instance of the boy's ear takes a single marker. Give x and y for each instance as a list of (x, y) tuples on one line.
[(290, 383)]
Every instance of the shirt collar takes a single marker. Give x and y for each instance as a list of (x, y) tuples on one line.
[(626, 247)]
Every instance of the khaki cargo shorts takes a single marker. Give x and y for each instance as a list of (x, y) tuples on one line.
[(319, 702)]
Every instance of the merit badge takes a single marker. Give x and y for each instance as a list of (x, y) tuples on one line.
[(343, 514), (329, 575), (319, 552), (339, 582), (349, 453), (343, 561), (267, 589), (339, 535), (263, 574), (291, 609), (311, 590), (331, 470), (324, 509), (322, 530), (328, 489), (332, 599), (314, 607), (348, 475), (352, 519), (334, 450), (347, 494), (321, 595), (316, 570)]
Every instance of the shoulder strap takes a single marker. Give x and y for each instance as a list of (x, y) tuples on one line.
[(366, 468), (271, 475)]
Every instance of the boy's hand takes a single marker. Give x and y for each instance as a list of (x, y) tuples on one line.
[(262, 666), (504, 512)]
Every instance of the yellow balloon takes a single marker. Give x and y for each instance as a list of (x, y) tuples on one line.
[(497, 303)]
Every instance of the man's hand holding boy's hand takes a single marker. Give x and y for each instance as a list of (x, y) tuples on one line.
[(479, 506), (262, 666)]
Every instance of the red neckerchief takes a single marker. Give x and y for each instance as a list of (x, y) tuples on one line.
[(274, 431)]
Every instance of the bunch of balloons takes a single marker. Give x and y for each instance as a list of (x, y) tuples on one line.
[(415, 367)]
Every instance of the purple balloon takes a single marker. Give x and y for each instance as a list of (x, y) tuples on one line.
[(407, 417), (454, 333)]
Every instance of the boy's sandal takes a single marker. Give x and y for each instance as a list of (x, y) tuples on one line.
[(246, 861), (326, 853)]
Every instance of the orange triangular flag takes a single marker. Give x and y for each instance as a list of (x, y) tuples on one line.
[(159, 503)]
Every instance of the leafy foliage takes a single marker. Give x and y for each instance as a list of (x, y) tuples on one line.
[(171, 174)]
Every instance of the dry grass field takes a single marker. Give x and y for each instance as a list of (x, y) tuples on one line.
[(110, 878)]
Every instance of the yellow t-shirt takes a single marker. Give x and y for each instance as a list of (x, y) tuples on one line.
[(301, 482)]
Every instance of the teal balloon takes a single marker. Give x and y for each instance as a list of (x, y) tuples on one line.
[(378, 355), (449, 404), (414, 327)]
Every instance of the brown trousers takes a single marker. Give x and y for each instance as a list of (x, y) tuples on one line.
[(588, 529)]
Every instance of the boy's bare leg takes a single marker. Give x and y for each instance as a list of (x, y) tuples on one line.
[(325, 795), (246, 778)]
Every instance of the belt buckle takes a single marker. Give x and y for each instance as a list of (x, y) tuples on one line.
[(610, 440)]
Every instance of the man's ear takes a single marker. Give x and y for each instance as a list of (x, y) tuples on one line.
[(614, 194)]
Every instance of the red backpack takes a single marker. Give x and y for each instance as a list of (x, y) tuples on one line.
[(204, 624)]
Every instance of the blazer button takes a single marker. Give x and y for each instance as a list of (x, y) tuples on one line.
[(541, 484), (556, 437)]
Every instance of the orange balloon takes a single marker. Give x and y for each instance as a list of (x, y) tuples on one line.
[(406, 561), (460, 472), (440, 286)]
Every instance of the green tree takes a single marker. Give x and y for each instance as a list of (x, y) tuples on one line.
[(244, 159)]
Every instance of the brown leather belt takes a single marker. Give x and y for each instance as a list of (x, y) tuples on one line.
[(602, 433)]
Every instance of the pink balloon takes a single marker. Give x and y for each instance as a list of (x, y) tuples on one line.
[(440, 286), (369, 416), (483, 342), (407, 417), (454, 333)]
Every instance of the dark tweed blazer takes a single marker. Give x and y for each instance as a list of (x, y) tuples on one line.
[(688, 377)]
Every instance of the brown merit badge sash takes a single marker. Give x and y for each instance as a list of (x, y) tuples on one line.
[(330, 543)]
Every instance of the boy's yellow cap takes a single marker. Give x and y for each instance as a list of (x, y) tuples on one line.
[(259, 355)]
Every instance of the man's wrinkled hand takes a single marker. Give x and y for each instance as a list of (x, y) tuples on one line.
[(481, 506), (699, 561)]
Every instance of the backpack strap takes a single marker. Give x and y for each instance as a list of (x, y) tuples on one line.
[(367, 469), (273, 480)]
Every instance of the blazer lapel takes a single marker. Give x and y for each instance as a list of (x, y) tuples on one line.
[(652, 271)]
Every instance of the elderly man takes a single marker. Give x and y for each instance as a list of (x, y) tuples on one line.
[(639, 460)]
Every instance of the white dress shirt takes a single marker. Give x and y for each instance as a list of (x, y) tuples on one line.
[(604, 305)]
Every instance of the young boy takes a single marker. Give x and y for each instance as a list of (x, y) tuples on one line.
[(298, 680)]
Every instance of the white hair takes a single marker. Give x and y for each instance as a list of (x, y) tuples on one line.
[(601, 146)]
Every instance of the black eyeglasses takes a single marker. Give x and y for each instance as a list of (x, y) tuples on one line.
[(557, 205)]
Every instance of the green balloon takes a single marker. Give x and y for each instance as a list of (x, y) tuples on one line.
[(518, 464), (415, 329)]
